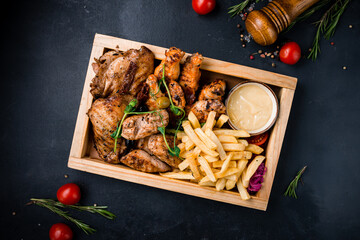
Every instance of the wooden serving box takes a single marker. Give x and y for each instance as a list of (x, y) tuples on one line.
[(81, 153)]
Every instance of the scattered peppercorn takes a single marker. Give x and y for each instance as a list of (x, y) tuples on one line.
[(332, 43), (272, 56), (243, 45), (268, 54), (238, 26), (13, 213), (252, 57), (310, 49), (278, 47), (350, 26), (241, 35), (260, 51), (95, 204), (66, 176), (273, 65), (262, 55), (344, 68)]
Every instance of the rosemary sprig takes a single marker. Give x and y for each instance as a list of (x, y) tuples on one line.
[(291, 190), (237, 9), (327, 25), (45, 203)]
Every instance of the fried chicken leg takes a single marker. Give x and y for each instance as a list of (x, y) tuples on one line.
[(214, 90), (172, 60)]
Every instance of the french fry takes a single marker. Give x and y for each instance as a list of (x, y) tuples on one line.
[(183, 165), (226, 163), (189, 145), (181, 146), (228, 172), (210, 158), (221, 121), (220, 184), (242, 165), (178, 175), (233, 177), (184, 139), (218, 164), (193, 120), (180, 134), (254, 149), (242, 155), (219, 146), (251, 169), (244, 183), (243, 141), (207, 168), (242, 191), (210, 122), (230, 184), (205, 181), (235, 133), (203, 137), (227, 139), (193, 166), (192, 135), (233, 147)]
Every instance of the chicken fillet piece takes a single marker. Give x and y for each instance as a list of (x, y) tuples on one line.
[(202, 108), (156, 145), (143, 161), (141, 126), (104, 115), (214, 90), (172, 64), (190, 76)]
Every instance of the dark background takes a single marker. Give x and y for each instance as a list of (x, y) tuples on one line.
[(45, 48)]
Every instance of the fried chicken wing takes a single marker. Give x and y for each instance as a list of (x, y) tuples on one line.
[(140, 126), (121, 72), (202, 108), (177, 94), (154, 92), (156, 145), (190, 76), (104, 115), (143, 161), (172, 60), (214, 90)]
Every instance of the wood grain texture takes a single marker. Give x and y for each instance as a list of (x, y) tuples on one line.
[(81, 151)]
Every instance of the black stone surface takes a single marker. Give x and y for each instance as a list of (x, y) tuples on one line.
[(45, 47)]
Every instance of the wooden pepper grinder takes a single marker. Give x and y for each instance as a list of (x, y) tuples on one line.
[(264, 25)]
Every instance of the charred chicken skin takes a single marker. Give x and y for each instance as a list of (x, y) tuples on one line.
[(177, 94), (190, 76), (141, 126), (202, 108), (143, 161), (104, 115), (118, 72), (172, 64), (214, 90)]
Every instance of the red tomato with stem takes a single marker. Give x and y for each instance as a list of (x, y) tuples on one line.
[(203, 7), (290, 53), (259, 139), (60, 231), (69, 194)]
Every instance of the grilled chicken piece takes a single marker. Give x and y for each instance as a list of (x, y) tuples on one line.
[(190, 76), (177, 94), (154, 92), (214, 90), (143, 161), (104, 115), (156, 145), (202, 108), (121, 72), (172, 64), (140, 126)]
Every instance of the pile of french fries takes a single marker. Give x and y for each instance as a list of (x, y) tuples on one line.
[(216, 157)]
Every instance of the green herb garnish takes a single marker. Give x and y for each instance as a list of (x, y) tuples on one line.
[(291, 190), (237, 9), (55, 206)]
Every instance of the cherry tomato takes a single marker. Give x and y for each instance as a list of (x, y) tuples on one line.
[(290, 53), (60, 231), (69, 194), (259, 139), (203, 7)]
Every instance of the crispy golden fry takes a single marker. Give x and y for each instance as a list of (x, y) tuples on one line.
[(218, 164), (209, 158), (207, 168), (189, 144), (251, 169), (226, 163), (227, 139), (193, 120), (233, 177), (205, 181), (193, 166), (242, 155), (219, 146), (242, 190), (181, 146), (210, 122), (243, 141), (244, 183), (242, 164), (180, 134), (183, 165), (233, 147), (203, 137), (230, 184), (220, 184), (178, 175), (192, 135), (254, 149), (228, 172), (235, 133), (221, 121)]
